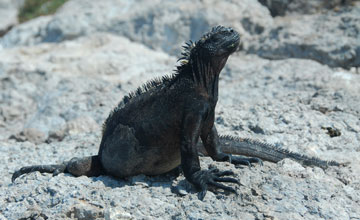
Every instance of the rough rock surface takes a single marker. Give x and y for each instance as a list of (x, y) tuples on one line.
[(314, 37), (159, 24), (55, 96), (61, 88), (163, 25), (288, 7), (8, 14)]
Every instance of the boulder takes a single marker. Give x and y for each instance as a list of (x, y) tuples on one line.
[(315, 37), (49, 89), (291, 7), (8, 14), (159, 24)]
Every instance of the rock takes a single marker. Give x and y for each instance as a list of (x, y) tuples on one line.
[(290, 166), (54, 92), (8, 20), (277, 95), (33, 135), (164, 25), (8, 14), (117, 214), (26, 33), (290, 7), (158, 24), (82, 124), (65, 90), (314, 37), (85, 211)]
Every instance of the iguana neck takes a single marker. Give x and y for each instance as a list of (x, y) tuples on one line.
[(205, 75)]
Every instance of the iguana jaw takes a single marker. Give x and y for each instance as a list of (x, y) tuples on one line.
[(219, 42)]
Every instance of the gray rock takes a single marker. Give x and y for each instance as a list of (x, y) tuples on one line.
[(81, 124), (52, 93), (8, 14), (164, 25), (276, 95), (66, 89), (117, 214), (85, 211), (288, 7), (27, 33), (158, 24), (314, 37)]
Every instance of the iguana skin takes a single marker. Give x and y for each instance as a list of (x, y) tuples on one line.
[(157, 128)]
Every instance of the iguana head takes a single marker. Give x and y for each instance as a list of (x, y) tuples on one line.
[(213, 48), (220, 41)]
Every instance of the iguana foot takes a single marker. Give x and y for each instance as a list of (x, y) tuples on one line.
[(238, 160), (202, 178), (247, 161)]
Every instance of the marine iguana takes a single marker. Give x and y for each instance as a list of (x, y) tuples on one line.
[(157, 128)]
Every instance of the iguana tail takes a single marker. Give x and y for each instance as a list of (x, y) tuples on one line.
[(88, 166), (267, 152)]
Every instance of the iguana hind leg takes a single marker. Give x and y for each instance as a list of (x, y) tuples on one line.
[(88, 166), (85, 166), (213, 149)]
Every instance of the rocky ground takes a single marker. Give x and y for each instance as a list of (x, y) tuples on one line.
[(60, 76)]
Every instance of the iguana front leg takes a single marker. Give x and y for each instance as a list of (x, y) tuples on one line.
[(213, 148), (190, 159)]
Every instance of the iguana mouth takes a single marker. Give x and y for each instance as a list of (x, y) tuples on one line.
[(231, 45), (234, 44), (231, 39)]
